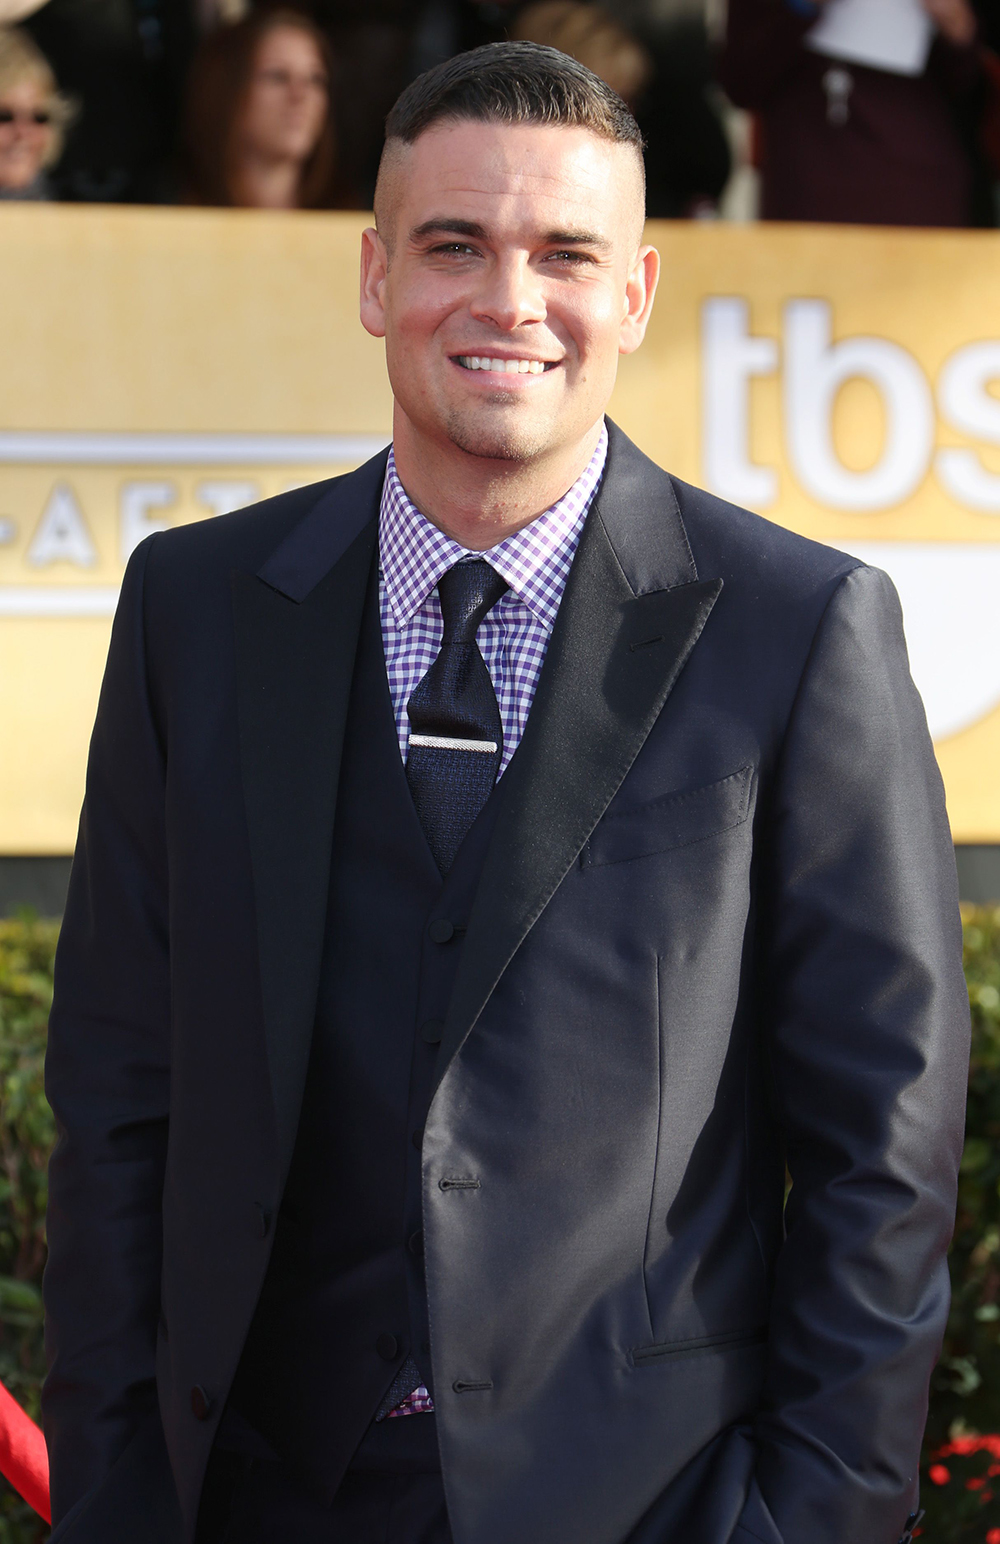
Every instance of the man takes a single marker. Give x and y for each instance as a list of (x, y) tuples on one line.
[(497, 865)]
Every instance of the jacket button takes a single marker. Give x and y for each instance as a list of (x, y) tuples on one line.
[(418, 1139), (441, 930), (201, 1405), (263, 1220), (387, 1346), (432, 1030), (415, 1242)]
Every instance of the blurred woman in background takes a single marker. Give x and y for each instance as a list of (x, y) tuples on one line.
[(258, 129), (33, 116)]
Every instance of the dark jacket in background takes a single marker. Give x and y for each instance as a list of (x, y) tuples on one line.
[(687, 153), (124, 62), (897, 159)]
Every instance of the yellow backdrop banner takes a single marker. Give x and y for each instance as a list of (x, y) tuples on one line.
[(163, 366)]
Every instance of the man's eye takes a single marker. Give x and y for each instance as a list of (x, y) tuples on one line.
[(570, 257), (455, 248)]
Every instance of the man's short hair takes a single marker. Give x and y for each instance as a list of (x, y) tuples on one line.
[(513, 83)]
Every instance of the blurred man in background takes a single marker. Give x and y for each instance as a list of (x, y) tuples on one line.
[(849, 133)]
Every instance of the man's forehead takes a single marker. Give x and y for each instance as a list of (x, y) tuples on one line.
[(543, 160), (502, 175)]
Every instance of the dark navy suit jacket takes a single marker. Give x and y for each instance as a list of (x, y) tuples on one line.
[(716, 935)]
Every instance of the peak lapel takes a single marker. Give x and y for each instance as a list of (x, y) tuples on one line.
[(633, 610), (297, 623)]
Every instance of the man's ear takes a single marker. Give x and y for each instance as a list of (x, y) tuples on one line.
[(374, 262), (640, 289)]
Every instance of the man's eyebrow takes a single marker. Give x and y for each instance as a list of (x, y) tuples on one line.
[(577, 239), (441, 225)]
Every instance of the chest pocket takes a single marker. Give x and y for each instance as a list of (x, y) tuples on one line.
[(675, 820)]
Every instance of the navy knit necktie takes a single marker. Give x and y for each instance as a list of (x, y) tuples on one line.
[(456, 738)]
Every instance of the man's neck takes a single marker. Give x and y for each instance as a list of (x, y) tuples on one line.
[(478, 501)]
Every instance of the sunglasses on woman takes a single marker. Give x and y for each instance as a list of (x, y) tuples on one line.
[(40, 116)]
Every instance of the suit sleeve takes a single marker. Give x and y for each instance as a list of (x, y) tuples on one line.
[(867, 1027), (107, 1079)]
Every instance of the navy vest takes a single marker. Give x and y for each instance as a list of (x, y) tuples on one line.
[(344, 1300)]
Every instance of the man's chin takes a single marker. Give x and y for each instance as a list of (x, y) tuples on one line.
[(499, 436)]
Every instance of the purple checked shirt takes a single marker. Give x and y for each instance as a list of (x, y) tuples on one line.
[(513, 638)]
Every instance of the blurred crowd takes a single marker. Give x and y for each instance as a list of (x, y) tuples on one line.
[(843, 110)]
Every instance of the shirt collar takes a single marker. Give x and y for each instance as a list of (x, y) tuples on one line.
[(535, 561)]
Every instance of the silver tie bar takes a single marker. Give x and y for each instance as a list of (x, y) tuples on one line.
[(441, 742)]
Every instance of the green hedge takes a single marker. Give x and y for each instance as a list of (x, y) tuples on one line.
[(965, 1404), (27, 946), (965, 1392)]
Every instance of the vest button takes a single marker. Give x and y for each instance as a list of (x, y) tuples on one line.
[(387, 1347), (441, 930), (432, 1030), (201, 1405), (415, 1242)]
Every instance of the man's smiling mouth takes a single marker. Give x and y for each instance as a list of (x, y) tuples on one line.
[(504, 366)]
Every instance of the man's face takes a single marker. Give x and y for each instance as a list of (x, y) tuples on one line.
[(506, 279)]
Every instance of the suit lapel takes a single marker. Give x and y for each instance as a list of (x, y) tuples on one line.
[(297, 623), (632, 612)]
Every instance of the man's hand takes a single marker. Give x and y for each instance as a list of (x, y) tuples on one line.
[(955, 20)]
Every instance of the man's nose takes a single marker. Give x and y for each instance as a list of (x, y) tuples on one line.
[(510, 296)]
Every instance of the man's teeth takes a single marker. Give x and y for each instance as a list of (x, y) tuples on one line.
[(507, 366)]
